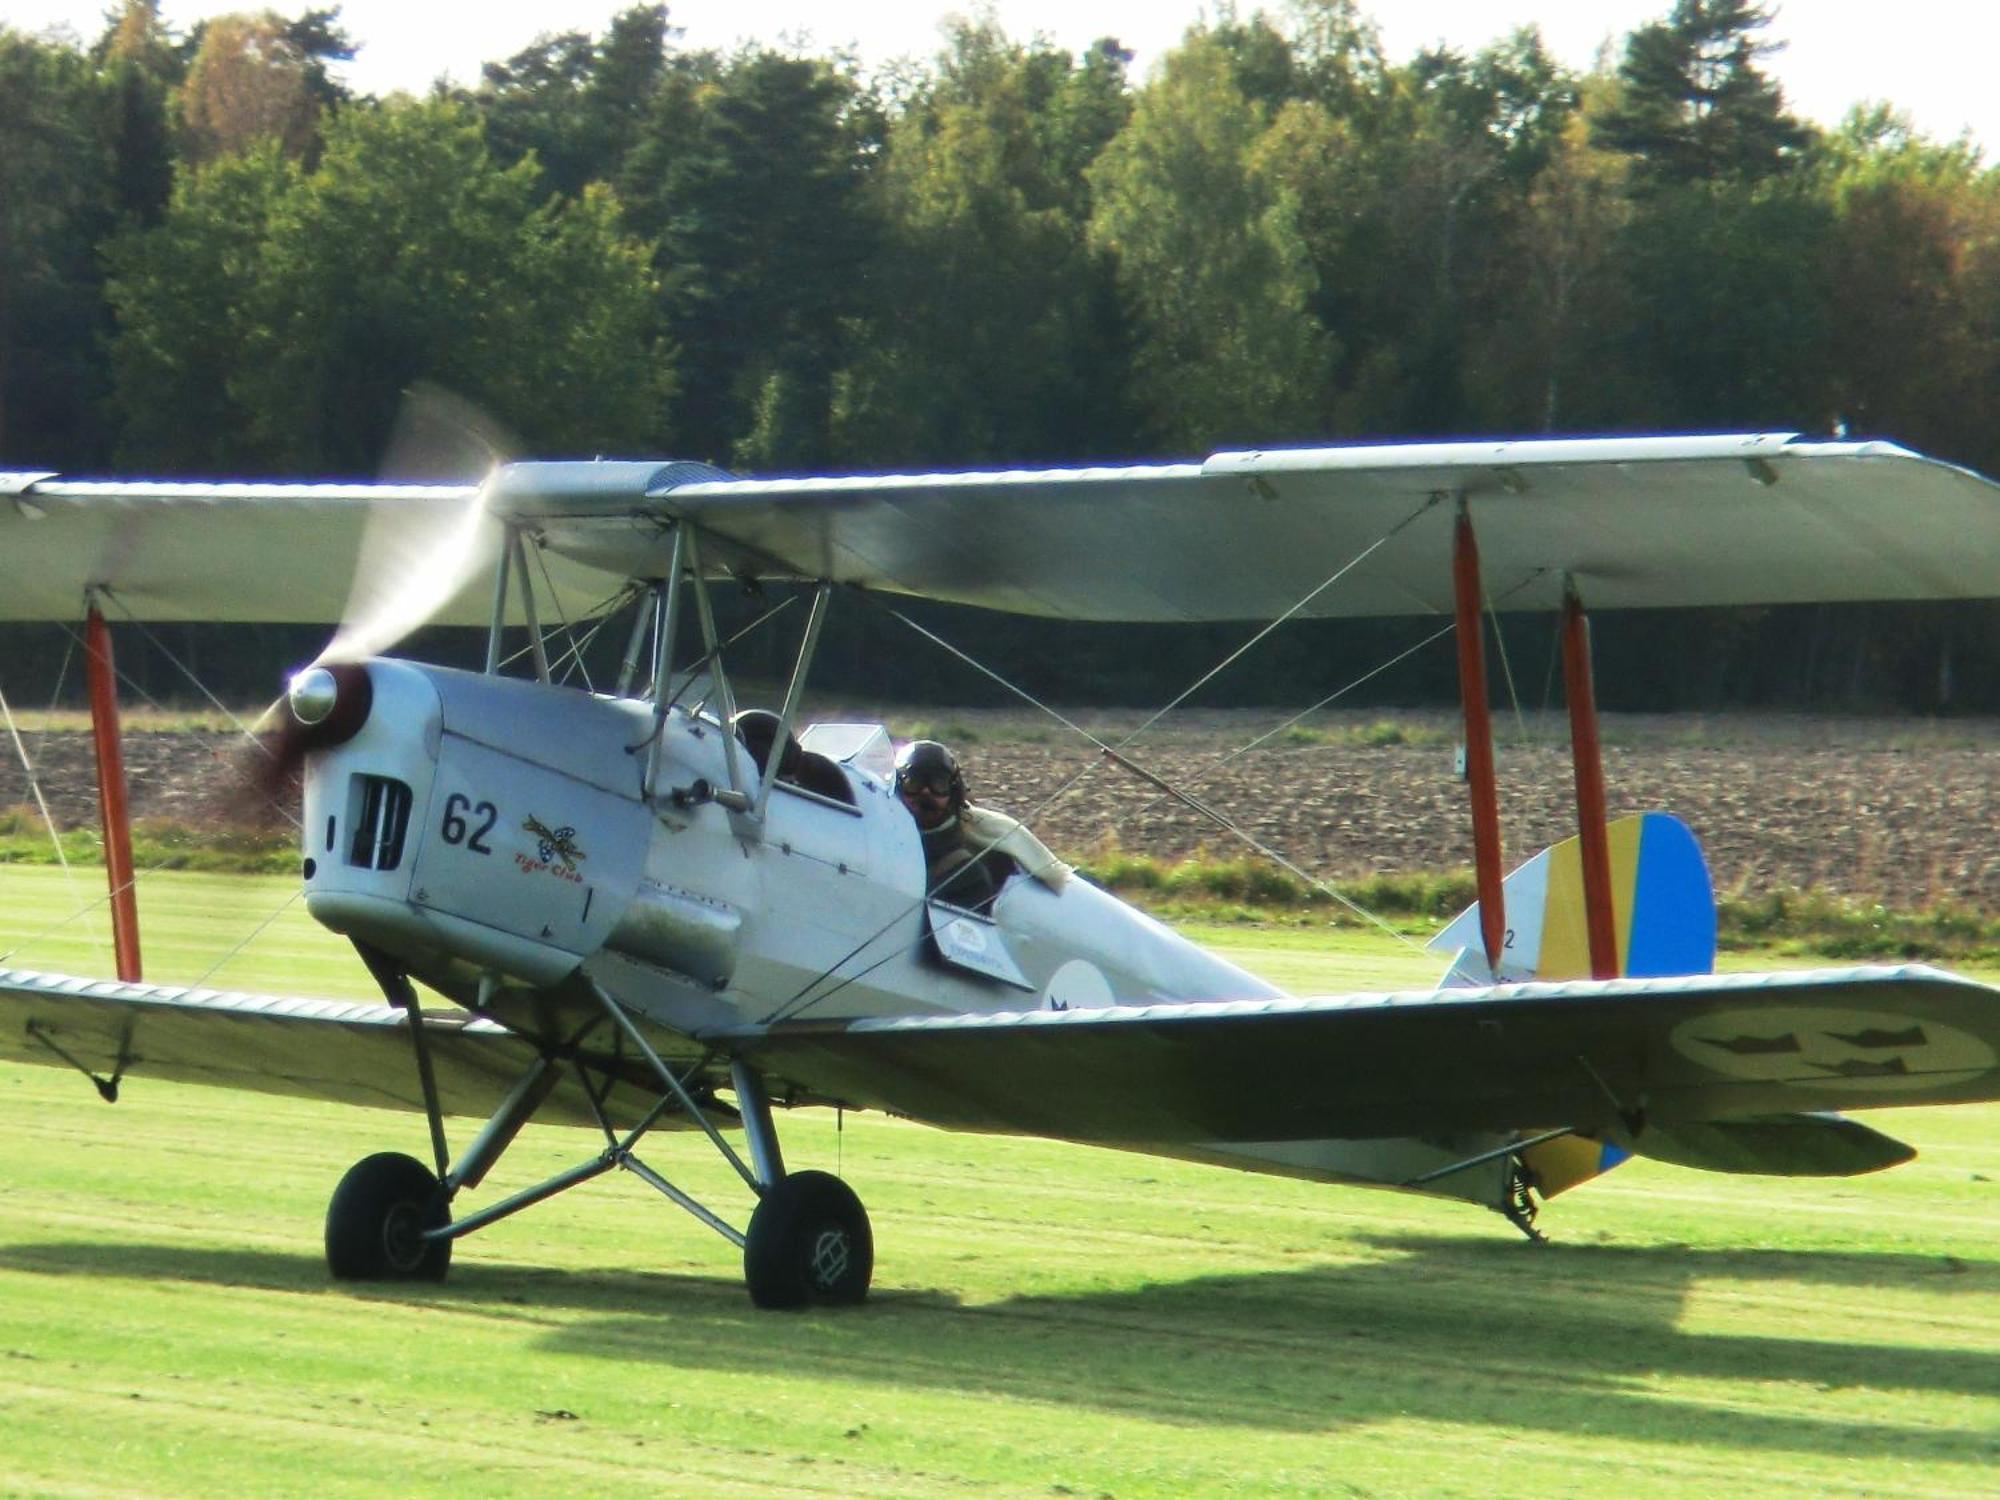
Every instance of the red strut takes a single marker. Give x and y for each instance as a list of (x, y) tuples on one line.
[(111, 793), (1589, 762), (1478, 740)]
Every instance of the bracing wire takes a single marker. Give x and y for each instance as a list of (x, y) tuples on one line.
[(245, 730), (55, 694), (574, 649), (180, 666), (1507, 673), (1338, 693), (249, 938), (804, 997), (1243, 650), (709, 658), (599, 614), (110, 894), (34, 783), (42, 803)]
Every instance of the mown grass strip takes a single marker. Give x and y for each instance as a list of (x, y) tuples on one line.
[(157, 844), (1817, 924), (1048, 1319)]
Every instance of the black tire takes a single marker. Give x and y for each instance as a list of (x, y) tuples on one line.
[(375, 1220), (809, 1244)]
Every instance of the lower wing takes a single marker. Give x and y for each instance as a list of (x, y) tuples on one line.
[(1711, 1070), (314, 1049)]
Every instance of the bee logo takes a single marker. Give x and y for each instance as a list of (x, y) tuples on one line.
[(555, 845)]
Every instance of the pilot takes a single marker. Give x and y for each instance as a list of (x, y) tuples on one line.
[(932, 787)]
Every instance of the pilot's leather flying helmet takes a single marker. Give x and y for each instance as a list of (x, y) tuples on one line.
[(926, 765)]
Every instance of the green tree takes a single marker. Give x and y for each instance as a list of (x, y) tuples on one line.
[(141, 65), (1211, 260), (577, 103), (1912, 273), (1549, 358), (991, 333), (55, 189), (317, 38), (751, 182), (1696, 106), (1731, 312), (408, 254), (1409, 182), (182, 290), (1512, 96)]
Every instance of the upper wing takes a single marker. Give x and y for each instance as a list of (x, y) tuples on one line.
[(173, 550), (1595, 1056), (315, 1049), (1640, 522)]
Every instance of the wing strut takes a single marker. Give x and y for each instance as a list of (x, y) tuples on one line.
[(111, 801), (1594, 842), (1478, 737)]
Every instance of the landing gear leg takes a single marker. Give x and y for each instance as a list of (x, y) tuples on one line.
[(809, 1241), (379, 1222)]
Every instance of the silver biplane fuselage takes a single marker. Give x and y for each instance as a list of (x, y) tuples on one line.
[(520, 847), (500, 838)]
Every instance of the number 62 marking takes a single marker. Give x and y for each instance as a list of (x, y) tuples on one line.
[(456, 830)]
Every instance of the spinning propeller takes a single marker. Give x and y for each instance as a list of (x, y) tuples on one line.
[(415, 557)]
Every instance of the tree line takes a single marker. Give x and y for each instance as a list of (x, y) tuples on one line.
[(215, 258)]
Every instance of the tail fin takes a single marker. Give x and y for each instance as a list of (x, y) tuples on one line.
[(1663, 912)]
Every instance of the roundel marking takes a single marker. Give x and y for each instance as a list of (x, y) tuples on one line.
[(1078, 985), (1870, 1050)]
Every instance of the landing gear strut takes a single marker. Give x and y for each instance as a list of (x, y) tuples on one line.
[(808, 1243)]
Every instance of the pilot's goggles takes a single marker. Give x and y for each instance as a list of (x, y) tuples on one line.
[(931, 783)]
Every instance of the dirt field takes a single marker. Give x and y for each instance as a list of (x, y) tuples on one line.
[(1896, 810)]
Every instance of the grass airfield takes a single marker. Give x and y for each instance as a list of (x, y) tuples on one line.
[(1047, 1319)]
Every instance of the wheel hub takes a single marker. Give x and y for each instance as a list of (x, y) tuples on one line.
[(829, 1259), (403, 1235)]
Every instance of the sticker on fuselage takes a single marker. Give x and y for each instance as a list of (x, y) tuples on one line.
[(556, 852)]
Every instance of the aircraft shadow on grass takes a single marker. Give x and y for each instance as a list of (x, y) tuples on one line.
[(1469, 1331)]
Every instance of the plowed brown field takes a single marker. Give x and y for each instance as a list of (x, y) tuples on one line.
[(1896, 810)]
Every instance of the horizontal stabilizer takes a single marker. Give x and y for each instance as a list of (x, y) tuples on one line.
[(1815, 1145)]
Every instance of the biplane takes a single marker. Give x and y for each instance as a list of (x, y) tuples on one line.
[(653, 908)]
